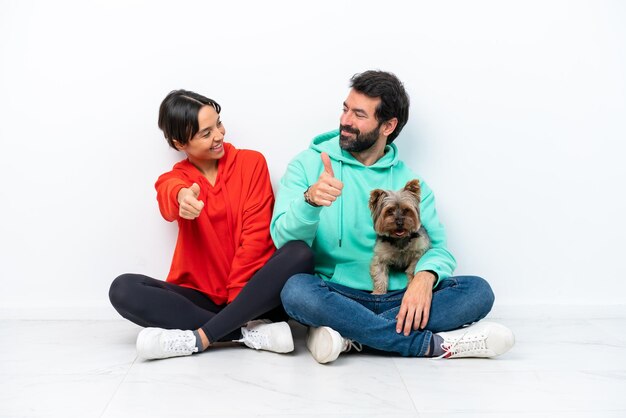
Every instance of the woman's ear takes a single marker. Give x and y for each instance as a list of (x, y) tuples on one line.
[(178, 145)]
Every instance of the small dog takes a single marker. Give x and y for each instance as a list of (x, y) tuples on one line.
[(401, 240)]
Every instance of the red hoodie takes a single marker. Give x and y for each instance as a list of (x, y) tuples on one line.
[(219, 251)]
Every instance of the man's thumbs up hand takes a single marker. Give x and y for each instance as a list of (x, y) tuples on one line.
[(327, 188), (328, 167)]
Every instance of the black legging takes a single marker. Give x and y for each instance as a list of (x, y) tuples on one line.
[(154, 303)]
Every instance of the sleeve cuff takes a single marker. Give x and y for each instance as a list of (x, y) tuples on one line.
[(307, 213), (430, 270)]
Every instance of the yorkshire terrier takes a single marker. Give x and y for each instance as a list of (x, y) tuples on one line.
[(401, 240)]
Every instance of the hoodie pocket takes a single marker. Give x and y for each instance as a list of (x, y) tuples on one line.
[(355, 274)]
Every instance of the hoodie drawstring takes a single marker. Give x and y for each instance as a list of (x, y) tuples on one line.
[(340, 204)]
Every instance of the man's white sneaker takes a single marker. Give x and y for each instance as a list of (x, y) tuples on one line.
[(262, 334), (325, 344), (155, 343), (483, 339)]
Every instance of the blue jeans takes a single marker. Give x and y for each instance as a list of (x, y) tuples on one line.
[(371, 319)]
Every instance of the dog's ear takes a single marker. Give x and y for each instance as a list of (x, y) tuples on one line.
[(375, 196), (413, 187)]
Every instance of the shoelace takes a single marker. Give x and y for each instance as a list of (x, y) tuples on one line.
[(256, 339), (179, 344), (477, 343), (349, 345)]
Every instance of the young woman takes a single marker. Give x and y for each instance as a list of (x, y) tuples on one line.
[(225, 272)]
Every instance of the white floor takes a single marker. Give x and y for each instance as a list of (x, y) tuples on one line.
[(559, 367)]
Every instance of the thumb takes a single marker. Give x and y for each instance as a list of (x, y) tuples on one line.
[(195, 189), (327, 165)]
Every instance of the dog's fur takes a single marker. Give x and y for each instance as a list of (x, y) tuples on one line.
[(401, 240)]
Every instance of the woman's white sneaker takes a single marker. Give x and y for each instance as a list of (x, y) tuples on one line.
[(157, 343), (262, 334), (483, 339)]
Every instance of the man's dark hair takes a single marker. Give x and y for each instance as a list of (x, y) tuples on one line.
[(178, 115), (394, 101)]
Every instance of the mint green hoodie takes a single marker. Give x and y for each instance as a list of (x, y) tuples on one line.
[(342, 236)]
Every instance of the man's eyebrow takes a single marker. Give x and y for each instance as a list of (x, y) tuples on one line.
[(360, 111), (356, 109)]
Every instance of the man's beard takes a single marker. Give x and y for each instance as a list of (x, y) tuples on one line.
[(360, 142)]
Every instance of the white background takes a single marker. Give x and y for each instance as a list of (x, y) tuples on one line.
[(517, 123)]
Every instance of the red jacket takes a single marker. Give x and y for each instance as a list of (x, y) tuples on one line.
[(215, 254)]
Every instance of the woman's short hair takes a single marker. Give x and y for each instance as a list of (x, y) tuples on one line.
[(178, 115), (394, 101)]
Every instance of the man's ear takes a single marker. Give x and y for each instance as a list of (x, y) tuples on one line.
[(389, 126)]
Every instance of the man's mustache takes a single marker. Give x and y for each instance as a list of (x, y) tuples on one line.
[(349, 129)]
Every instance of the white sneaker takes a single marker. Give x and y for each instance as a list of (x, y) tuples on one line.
[(155, 343), (325, 344), (262, 334), (483, 339)]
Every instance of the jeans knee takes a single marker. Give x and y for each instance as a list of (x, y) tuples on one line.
[(293, 295), (300, 254), (484, 293), (289, 293)]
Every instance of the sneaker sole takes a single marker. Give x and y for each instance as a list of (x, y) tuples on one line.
[(143, 345), (323, 347), (504, 341), (285, 340)]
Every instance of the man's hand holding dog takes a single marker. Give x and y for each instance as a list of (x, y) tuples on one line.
[(415, 307), (327, 188), (189, 207)]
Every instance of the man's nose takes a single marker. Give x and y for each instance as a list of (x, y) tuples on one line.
[(346, 119)]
